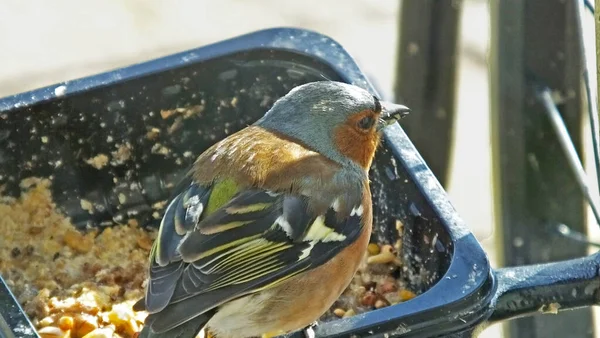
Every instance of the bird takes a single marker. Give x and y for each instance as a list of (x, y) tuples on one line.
[(272, 222)]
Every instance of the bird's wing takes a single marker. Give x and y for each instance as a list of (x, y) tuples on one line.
[(216, 244)]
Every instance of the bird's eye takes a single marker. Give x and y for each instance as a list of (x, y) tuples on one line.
[(366, 122)]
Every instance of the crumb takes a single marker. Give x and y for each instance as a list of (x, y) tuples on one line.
[(153, 133), (158, 148), (165, 114), (159, 205), (186, 112), (122, 154), (193, 111), (175, 126), (99, 161), (87, 206), (374, 285), (71, 282)]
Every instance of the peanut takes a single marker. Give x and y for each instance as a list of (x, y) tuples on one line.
[(339, 312)]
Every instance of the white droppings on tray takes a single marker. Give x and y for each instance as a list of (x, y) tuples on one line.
[(60, 90)]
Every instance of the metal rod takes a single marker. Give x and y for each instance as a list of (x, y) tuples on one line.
[(12, 316), (569, 149), (566, 231), (531, 185), (426, 77), (593, 115), (546, 288), (592, 104)]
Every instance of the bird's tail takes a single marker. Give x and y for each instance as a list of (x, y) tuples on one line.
[(189, 329)]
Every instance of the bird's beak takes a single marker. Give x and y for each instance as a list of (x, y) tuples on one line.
[(390, 113)]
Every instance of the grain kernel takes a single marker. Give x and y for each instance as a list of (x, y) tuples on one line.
[(387, 248), (381, 303), (53, 332), (349, 313), (65, 323), (369, 299), (406, 295), (381, 258), (373, 249), (46, 321), (123, 320), (106, 332), (388, 286), (85, 324), (399, 226), (339, 312), (76, 241), (398, 245), (144, 243)]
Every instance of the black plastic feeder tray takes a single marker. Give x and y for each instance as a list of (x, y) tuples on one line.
[(233, 83)]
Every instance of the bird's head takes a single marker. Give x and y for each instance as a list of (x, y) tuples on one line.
[(340, 121)]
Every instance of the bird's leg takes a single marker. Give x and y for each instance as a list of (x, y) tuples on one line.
[(309, 331)]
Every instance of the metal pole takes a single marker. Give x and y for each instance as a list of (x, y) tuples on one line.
[(426, 77), (534, 185)]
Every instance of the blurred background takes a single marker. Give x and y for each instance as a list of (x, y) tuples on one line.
[(45, 42)]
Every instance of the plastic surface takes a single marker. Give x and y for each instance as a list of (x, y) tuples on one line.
[(235, 81), (547, 288), (13, 322)]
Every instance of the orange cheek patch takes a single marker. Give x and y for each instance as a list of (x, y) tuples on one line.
[(357, 145)]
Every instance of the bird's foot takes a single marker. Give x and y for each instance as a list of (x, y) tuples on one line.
[(309, 331)]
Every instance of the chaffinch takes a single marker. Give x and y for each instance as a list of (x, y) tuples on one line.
[(275, 221)]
